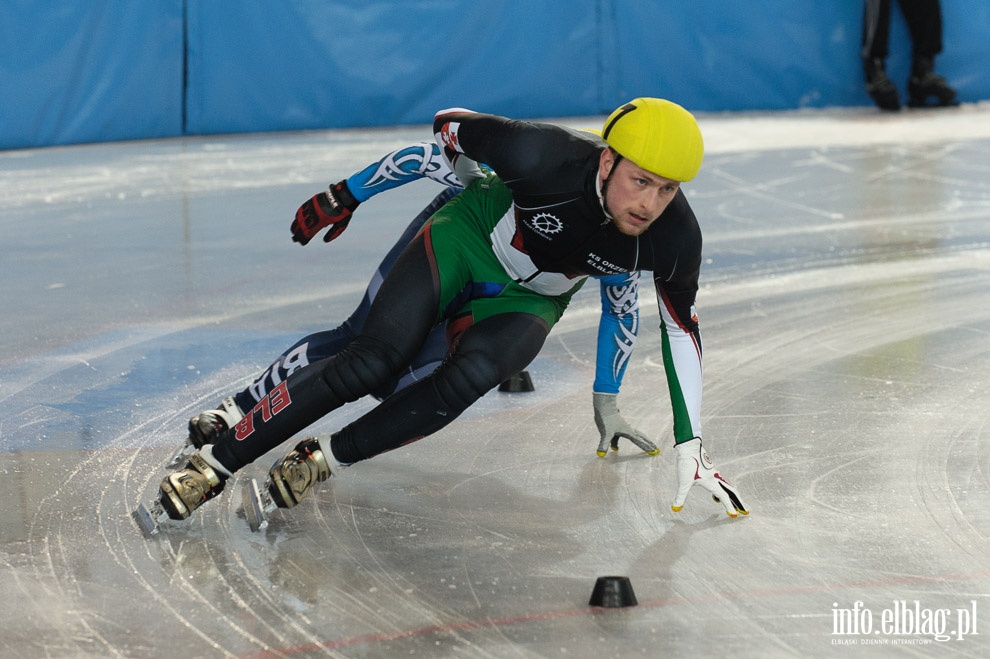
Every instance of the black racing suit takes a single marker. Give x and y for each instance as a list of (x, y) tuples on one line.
[(554, 232)]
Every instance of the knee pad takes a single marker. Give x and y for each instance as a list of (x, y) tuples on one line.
[(465, 377), (366, 365)]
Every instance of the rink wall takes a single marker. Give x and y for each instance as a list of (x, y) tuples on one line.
[(104, 70)]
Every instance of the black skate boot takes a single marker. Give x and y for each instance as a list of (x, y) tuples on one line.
[(881, 88), (291, 478), (205, 427), (184, 491), (924, 83)]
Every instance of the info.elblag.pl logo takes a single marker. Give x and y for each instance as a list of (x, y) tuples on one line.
[(903, 623)]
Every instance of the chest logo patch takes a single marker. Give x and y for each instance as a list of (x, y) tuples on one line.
[(546, 224)]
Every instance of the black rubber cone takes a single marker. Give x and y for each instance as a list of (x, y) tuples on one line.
[(613, 592), (518, 383)]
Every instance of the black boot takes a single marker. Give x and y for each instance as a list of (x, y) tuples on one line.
[(879, 86), (925, 83)]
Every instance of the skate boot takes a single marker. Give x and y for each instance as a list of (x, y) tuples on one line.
[(925, 83), (179, 494), (881, 88), (204, 428), (184, 491), (291, 478)]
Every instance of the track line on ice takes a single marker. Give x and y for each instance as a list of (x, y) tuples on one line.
[(543, 616)]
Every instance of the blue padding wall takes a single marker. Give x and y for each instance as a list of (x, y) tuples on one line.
[(89, 71), (372, 63), (102, 70)]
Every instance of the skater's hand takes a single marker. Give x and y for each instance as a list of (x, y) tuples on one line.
[(611, 426), (330, 208), (694, 467)]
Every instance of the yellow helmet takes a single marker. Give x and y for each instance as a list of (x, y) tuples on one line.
[(659, 136)]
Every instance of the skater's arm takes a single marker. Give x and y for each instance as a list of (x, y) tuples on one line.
[(528, 156), (617, 330), (410, 163), (676, 269), (680, 338), (334, 206)]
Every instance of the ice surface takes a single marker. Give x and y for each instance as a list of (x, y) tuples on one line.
[(846, 318)]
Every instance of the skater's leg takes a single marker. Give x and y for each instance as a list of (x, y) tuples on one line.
[(398, 323), (321, 345), (206, 426), (432, 277), (304, 352), (486, 354)]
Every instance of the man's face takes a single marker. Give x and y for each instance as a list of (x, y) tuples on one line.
[(634, 197)]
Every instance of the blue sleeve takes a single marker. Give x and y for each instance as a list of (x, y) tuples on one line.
[(410, 163), (616, 330)]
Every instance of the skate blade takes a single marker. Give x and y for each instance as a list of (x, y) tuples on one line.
[(150, 519), (180, 457), (257, 505)]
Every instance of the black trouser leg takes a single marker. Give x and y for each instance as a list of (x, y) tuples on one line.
[(876, 29), (924, 22)]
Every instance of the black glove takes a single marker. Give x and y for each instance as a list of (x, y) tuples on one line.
[(333, 207)]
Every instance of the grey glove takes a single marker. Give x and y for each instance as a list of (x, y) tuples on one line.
[(612, 426)]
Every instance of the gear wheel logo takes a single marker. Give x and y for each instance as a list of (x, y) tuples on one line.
[(546, 223)]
